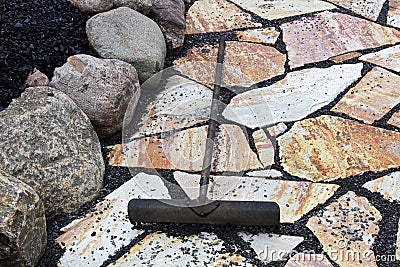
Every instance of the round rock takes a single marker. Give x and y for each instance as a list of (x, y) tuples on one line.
[(22, 224), (49, 143), (127, 35), (93, 6), (142, 6), (102, 88)]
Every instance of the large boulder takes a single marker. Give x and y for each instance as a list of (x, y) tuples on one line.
[(22, 224), (170, 16), (129, 36), (102, 88), (142, 6), (49, 143)]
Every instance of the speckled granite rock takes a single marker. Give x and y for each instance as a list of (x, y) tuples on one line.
[(37, 78), (22, 224), (127, 35), (92, 6), (170, 17), (49, 143), (102, 88), (142, 6)]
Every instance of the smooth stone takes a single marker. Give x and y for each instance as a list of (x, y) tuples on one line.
[(127, 35), (369, 9), (387, 186), (395, 119), (388, 58), (393, 16), (49, 143), (263, 36), (142, 6), (93, 6)]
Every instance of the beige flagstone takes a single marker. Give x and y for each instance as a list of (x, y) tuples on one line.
[(388, 186), (299, 94), (294, 198), (344, 57), (395, 119), (308, 260), (184, 150), (216, 16), (327, 34), (271, 247), (282, 8), (182, 103), (159, 249), (277, 129), (244, 64), (393, 17), (388, 58), (347, 230), (265, 173), (375, 95), (367, 8), (265, 148), (91, 240), (264, 36), (327, 148)]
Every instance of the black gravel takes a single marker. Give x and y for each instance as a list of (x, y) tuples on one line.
[(43, 33)]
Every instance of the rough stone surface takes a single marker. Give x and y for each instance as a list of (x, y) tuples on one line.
[(216, 16), (326, 148), (93, 6), (265, 148), (388, 186), (299, 94), (180, 103), (49, 143), (369, 9), (37, 78), (263, 36), (170, 17), (102, 88), (22, 224), (271, 247), (375, 95), (91, 240), (393, 17), (308, 260), (294, 198), (395, 119), (388, 58), (244, 64), (317, 38), (142, 6), (282, 8), (348, 225), (184, 150), (159, 249), (129, 36)]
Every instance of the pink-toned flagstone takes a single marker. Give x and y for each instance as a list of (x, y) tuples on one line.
[(395, 119), (367, 8)]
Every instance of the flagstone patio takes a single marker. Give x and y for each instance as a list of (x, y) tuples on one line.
[(314, 127)]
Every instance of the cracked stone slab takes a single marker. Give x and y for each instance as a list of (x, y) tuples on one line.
[(216, 16), (263, 36), (159, 249), (184, 150), (294, 198), (388, 186), (362, 102), (308, 260), (244, 64), (388, 58), (271, 247), (182, 103), (327, 148), (92, 239), (344, 57), (368, 9), (299, 94), (393, 17), (395, 119), (265, 148), (322, 36), (283, 8), (265, 173), (349, 224)]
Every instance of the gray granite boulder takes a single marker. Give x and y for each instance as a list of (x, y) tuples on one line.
[(22, 224), (170, 17), (93, 6), (142, 6), (127, 35), (49, 143), (102, 88)]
